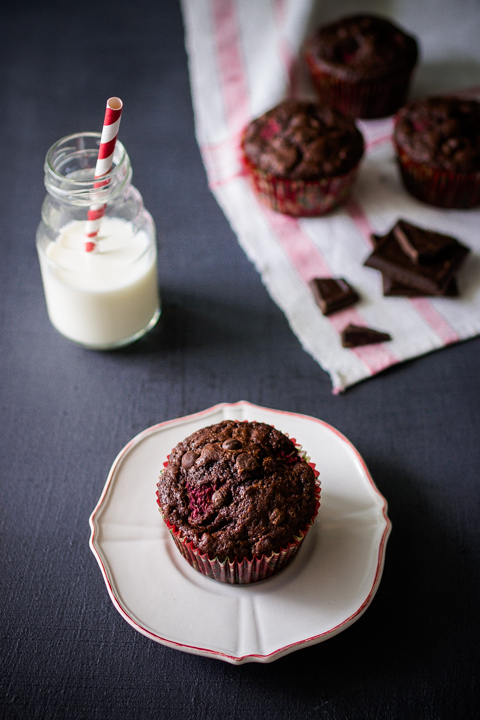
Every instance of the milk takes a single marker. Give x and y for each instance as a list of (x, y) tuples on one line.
[(106, 298)]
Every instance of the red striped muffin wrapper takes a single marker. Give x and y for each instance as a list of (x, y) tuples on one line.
[(300, 198), (246, 571), (442, 188), (373, 99)]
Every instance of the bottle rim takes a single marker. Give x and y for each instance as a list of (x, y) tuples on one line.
[(70, 166)]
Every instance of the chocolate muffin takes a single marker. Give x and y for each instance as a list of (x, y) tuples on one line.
[(302, 157), (362, 64), (437, 141), (238, 498)]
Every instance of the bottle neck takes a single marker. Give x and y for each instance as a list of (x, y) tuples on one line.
[(70, 168)]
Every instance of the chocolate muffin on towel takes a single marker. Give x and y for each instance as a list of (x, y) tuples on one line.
[(238, 499), (302, 157), (437, 141), (362, 64)]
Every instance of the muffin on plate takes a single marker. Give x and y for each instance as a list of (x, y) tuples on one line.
[(302, 157), (362, 64), (437, 141), (238, 499)]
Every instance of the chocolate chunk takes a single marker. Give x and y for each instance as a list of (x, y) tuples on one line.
[(392, 288), (333, 294), (284, 156), (231, 444), (376, 240), (432, 278), (210, 453), (246, 462), (220, 497), (356, 335), (421, 245), (188, 460), (277, 516)]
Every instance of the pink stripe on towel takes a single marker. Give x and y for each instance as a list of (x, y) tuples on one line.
[(231, 69)]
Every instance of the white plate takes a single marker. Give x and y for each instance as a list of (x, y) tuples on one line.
[(326, 588)]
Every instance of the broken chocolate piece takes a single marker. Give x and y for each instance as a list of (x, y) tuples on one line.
[(356, 335), (392, 288), (432, 278), (421, 245), (333, 294), (376, 240)]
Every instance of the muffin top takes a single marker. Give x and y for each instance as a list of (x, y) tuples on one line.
[(363, 47), (443, 132), (237, 489), (303, 140)]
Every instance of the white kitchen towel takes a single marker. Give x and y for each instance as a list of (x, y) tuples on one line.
[(244, 57)]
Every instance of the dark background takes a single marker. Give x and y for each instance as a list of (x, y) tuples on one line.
[(66, 413)]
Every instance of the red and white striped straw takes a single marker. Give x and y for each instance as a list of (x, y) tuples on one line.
[(108, 140)]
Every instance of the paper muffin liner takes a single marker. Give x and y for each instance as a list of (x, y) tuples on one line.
[(441, 188), (246, 571), (368, 99), (300, 198)]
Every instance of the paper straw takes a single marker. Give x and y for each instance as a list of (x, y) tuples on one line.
[(108, 140)]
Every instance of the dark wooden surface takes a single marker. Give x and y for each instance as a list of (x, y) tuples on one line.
[(66, 412)]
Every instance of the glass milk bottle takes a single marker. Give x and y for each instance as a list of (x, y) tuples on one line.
[(109, 297)]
